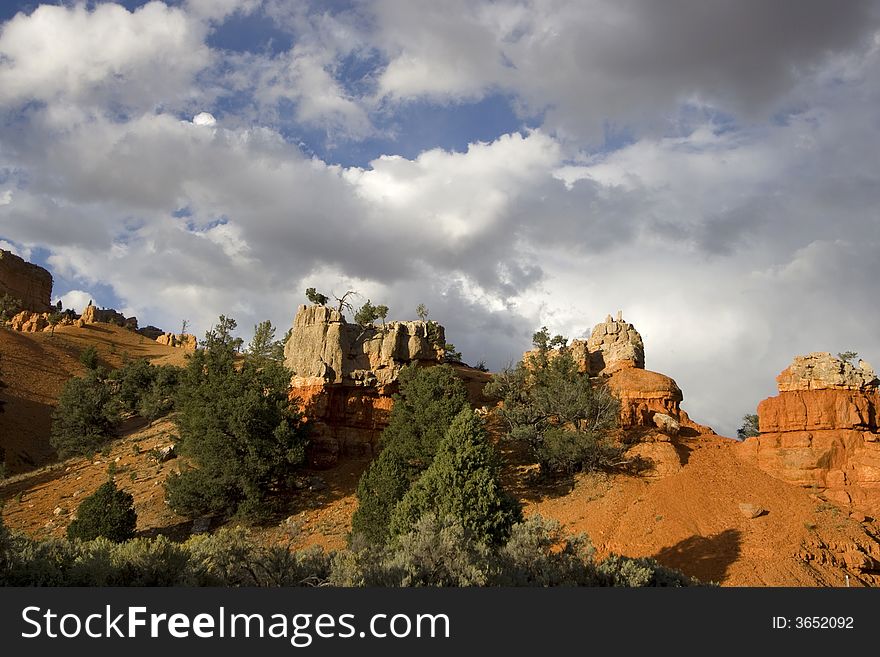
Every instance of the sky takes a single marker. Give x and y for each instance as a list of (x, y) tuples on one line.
[(710, 169)]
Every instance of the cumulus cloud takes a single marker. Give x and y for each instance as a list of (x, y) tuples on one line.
[(204, 118), (605, 62), (218, 10), (77, 300), (106, 54)]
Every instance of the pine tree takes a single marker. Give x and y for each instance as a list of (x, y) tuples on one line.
[(263, 346)]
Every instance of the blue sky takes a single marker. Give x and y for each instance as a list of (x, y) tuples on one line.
[(510, 164)]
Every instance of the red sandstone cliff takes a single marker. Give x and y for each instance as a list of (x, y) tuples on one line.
[(822, 431), (29, 283)]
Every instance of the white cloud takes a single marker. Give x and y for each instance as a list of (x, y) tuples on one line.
[(77, 55), (77, 300), (204, 118), (6, 197)]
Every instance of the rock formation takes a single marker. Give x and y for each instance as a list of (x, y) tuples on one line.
[(822, 432), (151, 331), (615, 352), (345, 374), (183, 340), (615, 343), (30, 322), (650, 402), (26, 282), (92, 315), (324, 348)]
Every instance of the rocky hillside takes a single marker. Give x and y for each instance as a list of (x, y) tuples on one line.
[(794, 506), (35, 369)]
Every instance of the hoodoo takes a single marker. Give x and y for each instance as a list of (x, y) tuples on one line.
[(821, 431)]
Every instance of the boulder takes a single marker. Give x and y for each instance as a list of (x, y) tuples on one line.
[(750, 510), (667, 424), (822, 371), (643, 395), (28, 283)]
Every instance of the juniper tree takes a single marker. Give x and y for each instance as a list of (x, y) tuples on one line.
[(316, 297), (238, 428), (428, 401), (108, 512), (368, 313), (462, 481), (749, 427), (563, 415)]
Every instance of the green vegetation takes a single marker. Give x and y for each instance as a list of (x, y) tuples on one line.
[(238, 427), (142, 388), (451, 354), (9, 307), (84, 417), (749, 427), (463, 481), (263, 346), (108, 513), (422, 312), (368, 313), (435, 553), (316, 297), (436, 462), (428, 402), (564, 416), (90, 407), (848, 357), (89, 357)]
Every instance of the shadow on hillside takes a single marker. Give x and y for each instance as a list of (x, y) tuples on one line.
[(705, 557), (177, 532), (25, 427), (23, 482), (522, 477), (683, 451)]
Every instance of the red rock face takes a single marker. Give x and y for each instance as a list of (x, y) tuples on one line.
[(346, 421), (642, 393), (805, 410), (29, 283), (825, 439)]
